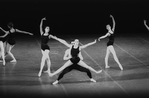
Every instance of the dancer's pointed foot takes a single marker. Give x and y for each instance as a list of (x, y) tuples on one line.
[(13, 61), (4, 62), (47, 71), (56, 82), (107, 66), (93, 80), (121, 68), (39, 74), (99, 71), (50, 74)]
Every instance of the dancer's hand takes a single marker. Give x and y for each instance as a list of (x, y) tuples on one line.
[(144, 21), (99, 39), (111, 16), (95, 40), (44, 18), (30, 33)]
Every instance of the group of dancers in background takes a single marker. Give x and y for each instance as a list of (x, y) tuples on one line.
[(72, 54)]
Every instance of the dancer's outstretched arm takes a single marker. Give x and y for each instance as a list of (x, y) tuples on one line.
[(41, 23), (4, 30), (113, 28), (146, 24), (61, 41), (4, 35), (24, 32), (102, 37), (89, 44)]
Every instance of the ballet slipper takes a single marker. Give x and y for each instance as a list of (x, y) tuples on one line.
[(93, 80), (13, 61)]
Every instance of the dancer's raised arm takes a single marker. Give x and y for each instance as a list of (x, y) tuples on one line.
[(24, 32), (61, 41), (113, 28), (41, 23), (89, 44), (146, 24)]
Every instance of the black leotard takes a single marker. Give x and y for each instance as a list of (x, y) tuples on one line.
[(74, 53), (111, 39), (11, 38), (44, 42)]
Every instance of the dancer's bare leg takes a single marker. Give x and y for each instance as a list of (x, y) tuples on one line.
[(68, 63), (83, 64), (115, 57), (106, 57), (48, 65), (8, 49), (43, 59), (2, 52), (5, 48)]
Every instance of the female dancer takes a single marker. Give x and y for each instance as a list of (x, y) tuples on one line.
[(110, 47), (10, 39), (2, 52), (146, 24), (75, 60), (45, 49)]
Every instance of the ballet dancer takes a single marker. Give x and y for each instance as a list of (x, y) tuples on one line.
[(110, 48), (10, 39), (45, 49), (75, 60), (2, 52)]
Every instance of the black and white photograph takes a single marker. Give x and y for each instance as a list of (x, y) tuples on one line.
[(74, 48)]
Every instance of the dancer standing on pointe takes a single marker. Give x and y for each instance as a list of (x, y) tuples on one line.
[(45, 49), (75, 60), (10, 39), (110, 48)]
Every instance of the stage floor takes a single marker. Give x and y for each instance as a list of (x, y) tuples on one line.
[(21, 78)]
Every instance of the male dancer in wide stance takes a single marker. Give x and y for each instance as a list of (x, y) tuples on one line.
[(110, 48), (75, 60)]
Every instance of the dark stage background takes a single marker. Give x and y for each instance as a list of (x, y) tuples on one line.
[(76, 17)]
